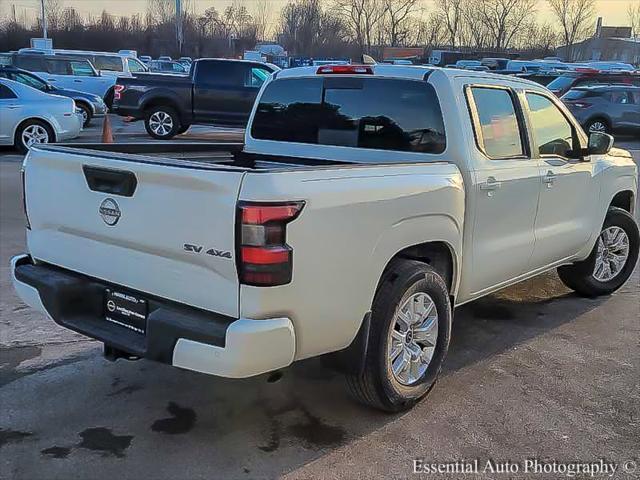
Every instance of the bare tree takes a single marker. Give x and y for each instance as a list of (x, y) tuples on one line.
[(450, 12), (397, 20), (262, 16), (634, 19), (54, 11), (575, 17), (362, 17), (504, 18)]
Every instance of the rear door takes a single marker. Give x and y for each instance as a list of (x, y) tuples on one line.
[(11, 109), (506, 189), (137, 223)]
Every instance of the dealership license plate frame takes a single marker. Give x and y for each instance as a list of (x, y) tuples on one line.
[(126, 310)]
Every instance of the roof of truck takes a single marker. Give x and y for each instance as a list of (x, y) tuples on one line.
[(416, 72)]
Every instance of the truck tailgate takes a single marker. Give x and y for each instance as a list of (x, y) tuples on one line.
[(136, 223)]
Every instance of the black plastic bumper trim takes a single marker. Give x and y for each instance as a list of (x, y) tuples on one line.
[(76, 301)]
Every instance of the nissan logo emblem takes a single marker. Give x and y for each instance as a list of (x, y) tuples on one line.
[(111, 306), (109, 211)]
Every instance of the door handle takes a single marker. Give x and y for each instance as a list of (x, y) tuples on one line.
[(77, 81), (13, 107), (490, 185), (549, 178)]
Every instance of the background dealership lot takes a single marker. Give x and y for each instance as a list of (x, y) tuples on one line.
[(533, 371)]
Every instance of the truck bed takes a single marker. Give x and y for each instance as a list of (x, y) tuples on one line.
[(195, 155)]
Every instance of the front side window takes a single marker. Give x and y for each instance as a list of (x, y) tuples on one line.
[(256, 77), (81, 69), (111, 63), (135, 65), (376, 113), (552, 131), (500, 135)]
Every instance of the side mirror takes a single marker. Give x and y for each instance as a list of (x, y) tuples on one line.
[(600, 143)]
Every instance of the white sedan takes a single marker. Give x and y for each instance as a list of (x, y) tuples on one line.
[(29, 116)]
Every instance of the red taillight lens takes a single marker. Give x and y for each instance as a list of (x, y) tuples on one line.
[(117, 92), (345, 69), (264, 259)]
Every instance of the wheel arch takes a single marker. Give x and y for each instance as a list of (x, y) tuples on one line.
[(38, 118), (624, 199)]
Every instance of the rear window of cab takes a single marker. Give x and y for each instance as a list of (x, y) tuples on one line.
[(375, 113)]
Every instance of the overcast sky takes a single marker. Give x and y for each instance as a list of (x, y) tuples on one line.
[(612, 11)]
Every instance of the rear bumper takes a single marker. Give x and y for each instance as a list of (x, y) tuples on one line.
[(179, 335)]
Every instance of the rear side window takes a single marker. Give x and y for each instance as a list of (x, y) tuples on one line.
[(33, 63), (377, 113), (6, 93), (108, 62), (58, 67), (500, 135)]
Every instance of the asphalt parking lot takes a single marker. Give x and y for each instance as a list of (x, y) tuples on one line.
[(533, 372)]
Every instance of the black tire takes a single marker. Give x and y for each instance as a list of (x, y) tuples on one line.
[(580, 276), (86, 113), (606, 126), (183, 128), (108, 98), (162, 110), (377, 386), (19, 143)]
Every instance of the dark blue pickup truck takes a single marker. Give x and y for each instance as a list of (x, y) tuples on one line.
[(216, 91)]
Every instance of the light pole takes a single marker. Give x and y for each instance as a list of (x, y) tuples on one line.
[(178, 25), (44, 19)]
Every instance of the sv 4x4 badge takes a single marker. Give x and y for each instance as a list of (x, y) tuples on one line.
[(188, 247)]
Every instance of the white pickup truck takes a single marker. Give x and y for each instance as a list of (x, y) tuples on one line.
[(367, 202)]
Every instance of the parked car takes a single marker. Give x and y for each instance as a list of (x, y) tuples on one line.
[(587, 76), (359, 214), (543, 78), (495, 63), (216, 91), (145, 59), (605, 108), (108, 64), (185, 61), (65, 72), (167, 67), (165, 58), (90, 105), (30, 116)]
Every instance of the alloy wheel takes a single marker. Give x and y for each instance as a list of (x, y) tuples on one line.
[(161, 123), (612, 253), (413, 338), (34, 134)]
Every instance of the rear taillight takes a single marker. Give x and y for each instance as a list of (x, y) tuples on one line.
[(264, 259), (24, 199), (117, 92)]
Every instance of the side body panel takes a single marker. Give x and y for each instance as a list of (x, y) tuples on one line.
[(354, 221)]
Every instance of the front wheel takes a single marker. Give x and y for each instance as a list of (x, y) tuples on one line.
[(611, 261), (162, 123), (86, 114), (408, 338)]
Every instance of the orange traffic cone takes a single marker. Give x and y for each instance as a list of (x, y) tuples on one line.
[(107, 134)]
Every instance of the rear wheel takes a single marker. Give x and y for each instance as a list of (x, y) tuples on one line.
[(611, 261), (408, 339), (162, 122), (32, 132)]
